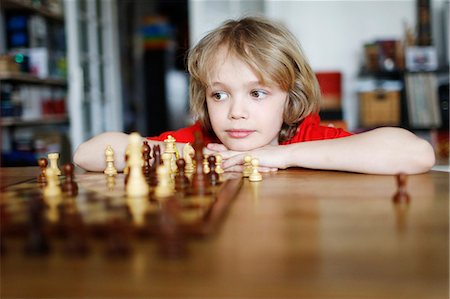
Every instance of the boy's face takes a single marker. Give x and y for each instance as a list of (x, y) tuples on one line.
[(243, 113)]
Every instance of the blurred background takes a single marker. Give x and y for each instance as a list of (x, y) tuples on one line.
[(71, 69)]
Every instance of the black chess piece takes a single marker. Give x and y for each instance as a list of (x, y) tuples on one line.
[(401, 196), (153, 177), (146, 158), (43, 163), (181, 180), (199, 184), (70, 187), (213, 176)]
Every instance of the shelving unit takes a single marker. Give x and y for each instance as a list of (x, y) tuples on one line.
[(34, 118)]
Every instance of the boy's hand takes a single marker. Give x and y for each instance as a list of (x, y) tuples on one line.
[(269, 156)]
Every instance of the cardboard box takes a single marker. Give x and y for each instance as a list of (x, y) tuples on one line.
[(380, 108)]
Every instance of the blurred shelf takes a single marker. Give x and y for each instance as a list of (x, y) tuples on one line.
[(30, 79), (28, 6), (47, 120)]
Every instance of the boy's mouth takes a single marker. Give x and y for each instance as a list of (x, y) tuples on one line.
[(239, 133)]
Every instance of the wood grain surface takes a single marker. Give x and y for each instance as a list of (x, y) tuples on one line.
[(297, 234)]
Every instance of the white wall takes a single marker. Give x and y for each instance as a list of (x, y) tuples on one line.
[(332, 33)]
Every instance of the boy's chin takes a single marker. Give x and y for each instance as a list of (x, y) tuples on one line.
[(241, 147)]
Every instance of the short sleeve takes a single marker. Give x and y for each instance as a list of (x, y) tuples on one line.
[(311, 130), (185, 135)]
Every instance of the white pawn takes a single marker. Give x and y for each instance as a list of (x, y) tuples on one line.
[(255, 176), (52, 189), (205, 164), (109, 155), (247, 166), (53, 157), (219, 169), (164, 187)]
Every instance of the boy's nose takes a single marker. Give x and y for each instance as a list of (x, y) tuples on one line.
[(238, 110)]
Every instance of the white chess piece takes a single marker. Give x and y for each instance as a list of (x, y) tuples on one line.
[(53, 157), (110, 170), (255, 176)]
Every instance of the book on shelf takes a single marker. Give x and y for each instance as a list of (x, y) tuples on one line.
[(422, 100)]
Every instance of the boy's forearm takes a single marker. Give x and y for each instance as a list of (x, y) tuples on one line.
[(380, 151), (90, 155)]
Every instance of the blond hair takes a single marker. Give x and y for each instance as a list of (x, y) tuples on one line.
[(275, 56)]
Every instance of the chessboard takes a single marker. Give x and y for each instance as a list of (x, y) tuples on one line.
[(102, 210)]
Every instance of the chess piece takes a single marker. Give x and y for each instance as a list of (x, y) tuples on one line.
[(53, 157), (164, 188), (247, 171), (167, 162), (109, 156), (153, 177), (146, 159), (205, 164), (219, 169), (171, 148), (43, 163), (181, 180), (52, 189), (136, 185), (213, 176), (199, 184), (401, 196), (255, 176), (70, 187), (188, 154)]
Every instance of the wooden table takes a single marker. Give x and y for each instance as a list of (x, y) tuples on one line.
[(297, 234)]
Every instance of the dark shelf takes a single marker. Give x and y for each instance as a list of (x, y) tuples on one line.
[(47, 120), (30, 79), (26, 5)]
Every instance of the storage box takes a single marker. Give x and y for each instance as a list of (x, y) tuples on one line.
[(380, 108), (330, 88)]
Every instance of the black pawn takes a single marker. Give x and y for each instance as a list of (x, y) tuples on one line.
[(153, 179), (146, 157), (70, 187), (181, 180), (213, 175), (401, 196), (43, 163), (199, 185)]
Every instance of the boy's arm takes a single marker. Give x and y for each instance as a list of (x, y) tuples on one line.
[(90, 155), (380, 151)]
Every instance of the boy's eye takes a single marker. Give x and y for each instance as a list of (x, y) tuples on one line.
[(219, 96), (258, 93)]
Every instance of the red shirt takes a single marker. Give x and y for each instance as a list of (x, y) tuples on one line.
[(309, 130)]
